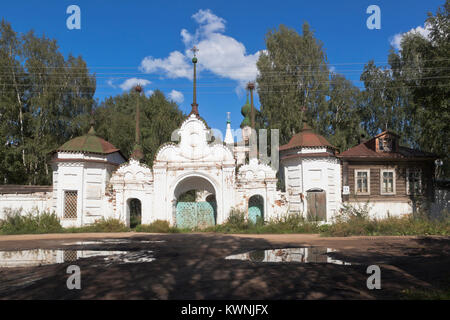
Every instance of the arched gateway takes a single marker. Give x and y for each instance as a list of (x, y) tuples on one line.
[(194, 213), (194, 160), (195, 163)]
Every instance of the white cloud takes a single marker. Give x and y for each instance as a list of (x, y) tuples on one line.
[(176, 65), (110, 83), (130, 83), (218, 53), (148, 93), (176, 96), (396, 40)]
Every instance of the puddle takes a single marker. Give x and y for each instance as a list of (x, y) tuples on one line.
[(110, 241), (298, 255), (38, 257)]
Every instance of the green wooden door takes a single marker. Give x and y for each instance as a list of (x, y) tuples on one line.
[(317, 207), (191, 215)]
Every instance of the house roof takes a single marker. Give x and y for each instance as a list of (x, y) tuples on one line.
[(306, 138), (88, 143), (363, 151)]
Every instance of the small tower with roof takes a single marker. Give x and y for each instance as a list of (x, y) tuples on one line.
[(81, 170)]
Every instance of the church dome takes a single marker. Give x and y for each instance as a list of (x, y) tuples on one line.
[(306, 138), (88, 143)]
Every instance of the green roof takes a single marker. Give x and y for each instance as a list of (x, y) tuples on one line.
[(89, 143)]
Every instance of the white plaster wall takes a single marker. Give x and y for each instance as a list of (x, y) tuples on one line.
[(132, 180), (325, 174), (42, 201), (380, 209), (89, 179)]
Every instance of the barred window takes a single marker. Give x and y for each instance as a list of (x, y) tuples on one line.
[(70, 204), (413, 181)]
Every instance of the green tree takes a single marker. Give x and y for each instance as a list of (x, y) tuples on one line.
[(344, 113), (411, 95), (293, 80), (158, 119), (45, 101), (425, 63)]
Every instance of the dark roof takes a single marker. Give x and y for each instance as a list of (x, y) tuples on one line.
[(363, 151), (23, 189), (306, 138), (88, 143)]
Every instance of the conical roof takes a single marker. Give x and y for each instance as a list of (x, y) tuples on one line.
[(88, 143), (306, 138)]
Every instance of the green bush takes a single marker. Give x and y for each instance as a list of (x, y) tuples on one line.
[(397, 226), (158, 226), (32, 222), (102, 225)]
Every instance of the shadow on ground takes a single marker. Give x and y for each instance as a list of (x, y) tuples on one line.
[(192, 266)]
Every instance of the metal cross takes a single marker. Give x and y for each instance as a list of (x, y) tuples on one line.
[(195, 50)]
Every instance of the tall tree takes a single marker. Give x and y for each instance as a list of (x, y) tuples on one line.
[(344, 113), (293, 75), (411, 96), (425, 62), (45, 98)]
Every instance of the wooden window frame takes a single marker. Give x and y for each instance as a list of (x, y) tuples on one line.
[(408, 186), (394, 178), (368, 181)]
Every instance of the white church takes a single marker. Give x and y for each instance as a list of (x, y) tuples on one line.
[(92, 179)]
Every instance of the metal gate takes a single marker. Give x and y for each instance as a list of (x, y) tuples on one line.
[(195, 214), (317, 206), (255, 208)]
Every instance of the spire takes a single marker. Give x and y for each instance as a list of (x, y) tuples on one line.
[(137, 153), (228, 135), (92, 123), (251, 87), (245, 111), (194, 103), (305, 126)]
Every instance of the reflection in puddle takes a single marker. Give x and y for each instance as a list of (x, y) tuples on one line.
[(302, 255), (37, 257), (110, 241)]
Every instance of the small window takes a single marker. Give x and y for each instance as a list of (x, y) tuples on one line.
[(387, 181), (413, 181), (70, 204), (362, 180)]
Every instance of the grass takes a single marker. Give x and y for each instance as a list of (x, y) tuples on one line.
[(351, 222), (33, 222), (429, 294), (158, 226), (394, 226), (102, 225), (236, 223)]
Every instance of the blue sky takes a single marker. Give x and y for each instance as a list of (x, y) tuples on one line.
[(122, 40)]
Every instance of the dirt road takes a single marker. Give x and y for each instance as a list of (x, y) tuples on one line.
[(193, 266)]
